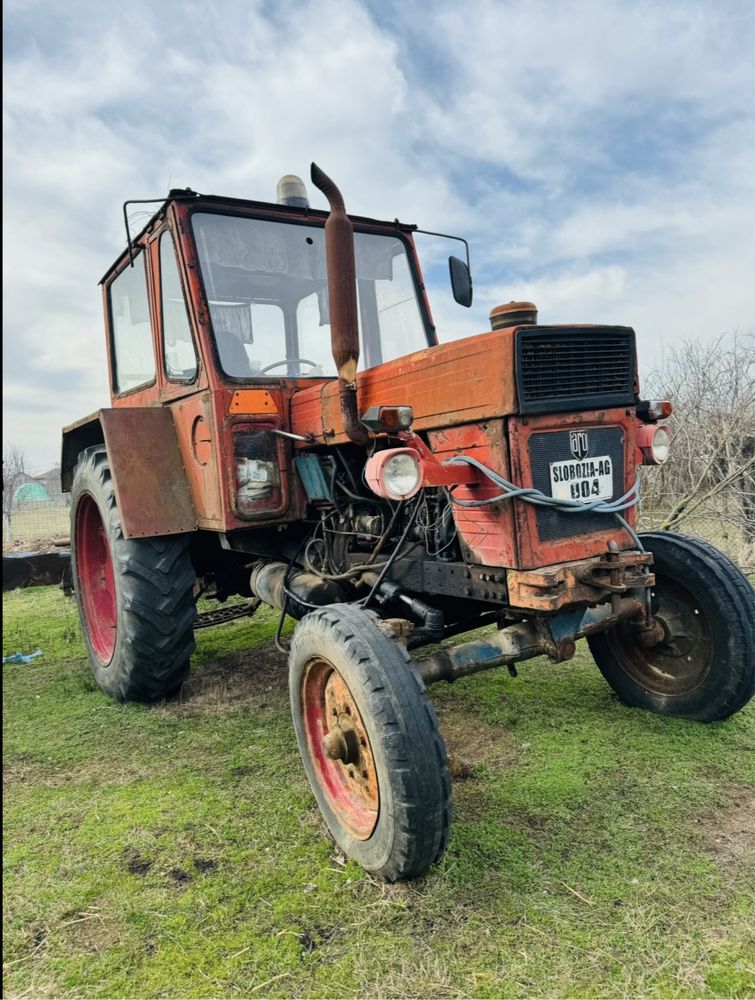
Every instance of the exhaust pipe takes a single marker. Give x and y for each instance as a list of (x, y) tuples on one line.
[(342, 296), (270, 581)]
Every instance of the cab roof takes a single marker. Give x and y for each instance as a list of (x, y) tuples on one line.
[(196, 200)]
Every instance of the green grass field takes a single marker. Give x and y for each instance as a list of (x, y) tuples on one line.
[(176, 851)]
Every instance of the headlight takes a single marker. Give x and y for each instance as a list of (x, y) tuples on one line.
[(654, 443), (395, 474), (256, 454)]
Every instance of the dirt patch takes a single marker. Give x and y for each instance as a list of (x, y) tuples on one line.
[(18, 771), (179, 877), (135, 863), (93, 932), (730, 831), (205, 866), (256, 680), (472, 743)]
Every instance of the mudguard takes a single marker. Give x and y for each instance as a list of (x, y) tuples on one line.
[(150, 481)]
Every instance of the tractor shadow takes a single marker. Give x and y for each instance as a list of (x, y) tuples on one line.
[(254, 680)]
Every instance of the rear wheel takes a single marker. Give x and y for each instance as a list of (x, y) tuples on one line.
[(135, 596), (369, 740), (704, 667)]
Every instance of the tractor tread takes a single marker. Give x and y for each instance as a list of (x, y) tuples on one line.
[(155, 597)]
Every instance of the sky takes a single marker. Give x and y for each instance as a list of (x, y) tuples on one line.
[(597, 154)]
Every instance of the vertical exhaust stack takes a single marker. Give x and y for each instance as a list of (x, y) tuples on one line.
[(342, 295)]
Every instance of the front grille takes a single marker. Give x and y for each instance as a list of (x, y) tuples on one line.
[(554, 446), (574, 368)]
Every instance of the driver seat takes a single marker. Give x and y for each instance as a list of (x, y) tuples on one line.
[(233, 357)]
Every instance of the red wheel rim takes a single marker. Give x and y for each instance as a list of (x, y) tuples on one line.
[(339, 748), (96, 580)]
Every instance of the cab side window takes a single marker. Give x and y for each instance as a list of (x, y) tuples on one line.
[(133, 352), (178, 347)]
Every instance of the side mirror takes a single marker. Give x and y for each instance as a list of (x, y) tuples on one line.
[(461, 281)]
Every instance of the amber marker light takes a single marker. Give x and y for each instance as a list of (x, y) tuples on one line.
[(652, 410), (388, 419)]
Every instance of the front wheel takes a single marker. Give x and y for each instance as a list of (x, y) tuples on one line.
[(369, 740), (704, 667)]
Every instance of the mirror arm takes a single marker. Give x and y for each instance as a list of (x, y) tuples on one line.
[(446, 236)]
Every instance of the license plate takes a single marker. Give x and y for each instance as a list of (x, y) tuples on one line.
[(585, 480)]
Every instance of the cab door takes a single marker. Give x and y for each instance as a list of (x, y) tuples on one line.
[(184, 384)]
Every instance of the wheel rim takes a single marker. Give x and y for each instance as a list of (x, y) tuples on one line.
[(339, 748), (680, 663), (96, 580)]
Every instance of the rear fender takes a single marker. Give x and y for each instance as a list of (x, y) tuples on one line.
[(150, 481)]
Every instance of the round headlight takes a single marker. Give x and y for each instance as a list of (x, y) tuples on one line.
[(661, 444), (395, 474), (401, 474), (654, 442)]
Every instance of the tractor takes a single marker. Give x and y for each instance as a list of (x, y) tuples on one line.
[(286, 427)]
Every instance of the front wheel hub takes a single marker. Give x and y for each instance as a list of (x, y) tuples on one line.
[(673, 654), (339, 747), (341, 743), (650, 634)]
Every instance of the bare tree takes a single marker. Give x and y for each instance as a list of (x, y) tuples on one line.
[(708, 485), (14, 474)]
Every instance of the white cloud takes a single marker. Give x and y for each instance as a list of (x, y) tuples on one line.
[(598, 155)]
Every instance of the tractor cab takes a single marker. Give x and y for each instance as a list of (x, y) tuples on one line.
[(224, 291)]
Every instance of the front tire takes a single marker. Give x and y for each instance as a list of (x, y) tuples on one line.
[(135, 596), (704, 669), (369, 740)]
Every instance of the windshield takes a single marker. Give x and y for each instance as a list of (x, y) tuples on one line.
[(267, 289)]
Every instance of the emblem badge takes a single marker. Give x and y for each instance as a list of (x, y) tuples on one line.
[(578, 443)]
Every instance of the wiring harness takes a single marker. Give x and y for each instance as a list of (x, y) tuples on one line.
[(529, 494)]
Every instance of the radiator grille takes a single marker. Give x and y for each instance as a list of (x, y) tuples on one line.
[(553, 446), (573, 368)]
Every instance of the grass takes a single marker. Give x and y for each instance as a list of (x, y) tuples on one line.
[(177, 851)]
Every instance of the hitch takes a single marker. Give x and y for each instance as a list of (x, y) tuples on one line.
[(552, 588)]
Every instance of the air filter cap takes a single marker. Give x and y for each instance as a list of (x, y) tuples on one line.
[(513, 314)]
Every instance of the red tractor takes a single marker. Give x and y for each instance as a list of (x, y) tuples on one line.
[(431, 490)]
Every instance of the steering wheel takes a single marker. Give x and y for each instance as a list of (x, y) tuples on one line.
[(287, 361)]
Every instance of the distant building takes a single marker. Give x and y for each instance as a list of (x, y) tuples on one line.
[(50, 480), (44, 488), (31, 492)]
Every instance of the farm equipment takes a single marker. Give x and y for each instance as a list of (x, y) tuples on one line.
[(285, 426)]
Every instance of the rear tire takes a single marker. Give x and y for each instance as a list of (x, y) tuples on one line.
[(704, 669), (387, 798), (135, 596)]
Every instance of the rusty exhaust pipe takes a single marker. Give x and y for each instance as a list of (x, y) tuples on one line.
[(342, 296)]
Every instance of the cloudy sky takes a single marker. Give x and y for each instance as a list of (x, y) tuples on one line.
[(598, 154)]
